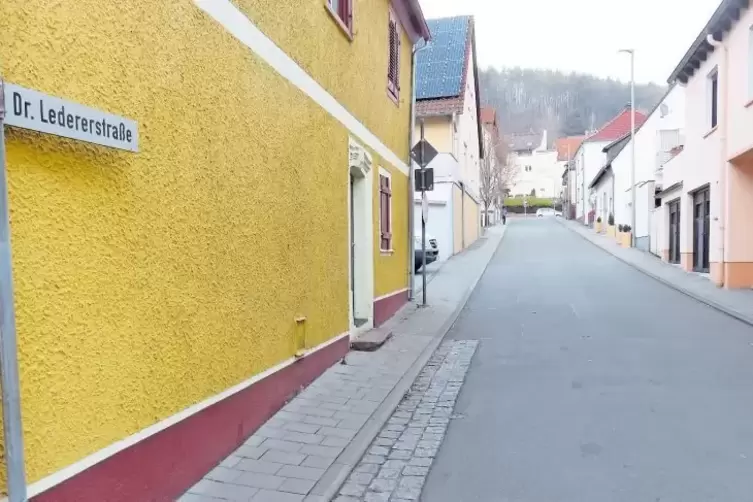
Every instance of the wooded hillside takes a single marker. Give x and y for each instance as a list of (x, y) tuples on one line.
[(563, 104)]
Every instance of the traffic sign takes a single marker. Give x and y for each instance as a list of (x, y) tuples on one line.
[(423, 153), (424, 179)]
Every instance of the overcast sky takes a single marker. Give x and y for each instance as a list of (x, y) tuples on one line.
[(582, 35)]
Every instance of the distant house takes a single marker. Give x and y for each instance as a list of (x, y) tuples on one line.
[(537, 170), (602, 186), (566, 148), (590, 158), (655, 138), (447, 103)]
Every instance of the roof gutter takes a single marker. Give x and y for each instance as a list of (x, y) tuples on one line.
[(472, 39), (412, 18), (721, 21)]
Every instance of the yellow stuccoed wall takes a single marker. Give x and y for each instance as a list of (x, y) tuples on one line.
[(146, 282), (354, 72)]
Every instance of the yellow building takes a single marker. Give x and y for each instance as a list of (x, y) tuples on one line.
[(173, 291), (448, 104)]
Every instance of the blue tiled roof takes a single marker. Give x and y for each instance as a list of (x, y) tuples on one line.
[(439, 72)]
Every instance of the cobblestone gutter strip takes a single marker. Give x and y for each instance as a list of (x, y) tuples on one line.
[(395, 467)]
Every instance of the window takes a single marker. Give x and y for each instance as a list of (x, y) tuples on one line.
[(393, 70), (385, 211), (528, 169), (343, 10), (714, 97)]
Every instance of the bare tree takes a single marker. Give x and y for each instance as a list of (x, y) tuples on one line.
[(497, 174)]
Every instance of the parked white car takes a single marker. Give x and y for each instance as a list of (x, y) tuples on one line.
[(545, 211)]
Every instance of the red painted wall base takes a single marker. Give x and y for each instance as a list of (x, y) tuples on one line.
[(386, 307), (165, 465)]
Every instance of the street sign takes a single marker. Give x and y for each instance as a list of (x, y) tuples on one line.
[(424, 180), (30, 109), (423, 158), (425, 208)]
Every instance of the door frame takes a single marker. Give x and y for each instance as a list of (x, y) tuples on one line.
[(675, 233), (701, 223), (360, 239)]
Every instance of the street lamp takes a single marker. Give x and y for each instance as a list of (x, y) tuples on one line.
[(632, 138)]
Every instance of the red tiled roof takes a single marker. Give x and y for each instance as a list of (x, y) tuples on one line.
[(617, 127), (434, 107), (566, 147)]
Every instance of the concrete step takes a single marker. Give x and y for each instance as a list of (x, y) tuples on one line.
[(371, 340)]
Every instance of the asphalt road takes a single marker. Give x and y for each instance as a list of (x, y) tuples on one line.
[(594, 383)]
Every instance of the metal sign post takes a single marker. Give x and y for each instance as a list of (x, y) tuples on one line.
[(424, 153), (423, 219), (12, 430)]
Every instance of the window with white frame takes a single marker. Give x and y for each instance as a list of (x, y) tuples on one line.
[(713, 93)]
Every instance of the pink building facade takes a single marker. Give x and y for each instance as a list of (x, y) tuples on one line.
[(707, 189)]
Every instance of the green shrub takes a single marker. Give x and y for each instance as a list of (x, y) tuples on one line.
[(532, 202)]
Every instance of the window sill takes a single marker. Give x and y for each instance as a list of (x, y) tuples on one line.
[(393, 98), (386, 252), (748, 104), (343, 27), (712, 131)]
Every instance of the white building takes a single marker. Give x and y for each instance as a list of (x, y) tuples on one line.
[(661, 132), (538, 172), (591, 158), (449, 109), (656, 140), (566, 149)]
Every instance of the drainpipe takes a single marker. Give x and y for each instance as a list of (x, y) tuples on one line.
[(462, 215), (411, 181), (12, 428), (722, 124)]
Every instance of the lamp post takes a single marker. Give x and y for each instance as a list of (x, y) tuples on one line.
[(632, 140)]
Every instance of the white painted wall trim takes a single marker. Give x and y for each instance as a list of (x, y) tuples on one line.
[(403, 290), (238, 25), (68, 472)]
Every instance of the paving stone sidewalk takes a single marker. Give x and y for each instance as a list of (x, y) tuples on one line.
[(395, 467), (735, 302), (307, 450)]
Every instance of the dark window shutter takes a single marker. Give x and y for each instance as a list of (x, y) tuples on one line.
[(392, 70), (397, 58), (385, 210)]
